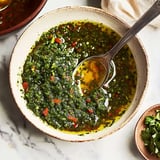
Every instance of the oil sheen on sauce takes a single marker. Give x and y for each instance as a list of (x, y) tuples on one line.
[(90, 75)]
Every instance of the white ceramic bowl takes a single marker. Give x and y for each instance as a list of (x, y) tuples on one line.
[(54, 18)]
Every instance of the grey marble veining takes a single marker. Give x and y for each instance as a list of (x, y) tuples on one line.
[(19, 139)]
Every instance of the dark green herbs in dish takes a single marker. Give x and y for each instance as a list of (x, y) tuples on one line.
[(151, 134), (54, 96)]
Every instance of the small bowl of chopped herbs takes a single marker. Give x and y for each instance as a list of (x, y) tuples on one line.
[(147, 133)]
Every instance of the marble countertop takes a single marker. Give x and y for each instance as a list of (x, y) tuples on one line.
[(20, 140)]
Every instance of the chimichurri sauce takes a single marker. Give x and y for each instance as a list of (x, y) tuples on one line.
[(53, 95)]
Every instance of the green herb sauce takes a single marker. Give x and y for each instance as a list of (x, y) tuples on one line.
[(53, 95)]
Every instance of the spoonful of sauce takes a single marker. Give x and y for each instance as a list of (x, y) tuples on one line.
[(93, 72), (4, 4)]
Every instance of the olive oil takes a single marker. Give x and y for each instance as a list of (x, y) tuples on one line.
[(90, 75)]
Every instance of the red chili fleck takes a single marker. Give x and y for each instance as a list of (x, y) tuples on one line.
[(58, 40), (118, 110), (72, 118), (75, 125), (45, 111), (56, 100), (116, 95), (25, 86), (110, 114), (90, 110), (74, 44), (52, 78), (88, 100)]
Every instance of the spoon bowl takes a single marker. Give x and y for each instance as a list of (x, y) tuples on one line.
[(87, 69)]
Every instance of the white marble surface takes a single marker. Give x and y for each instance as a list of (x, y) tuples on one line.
[(20, 140)]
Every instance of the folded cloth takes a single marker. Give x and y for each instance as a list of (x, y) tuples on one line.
[(129, 10)]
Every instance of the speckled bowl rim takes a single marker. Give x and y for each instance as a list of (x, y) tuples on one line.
[(92, 136), (25, 21)]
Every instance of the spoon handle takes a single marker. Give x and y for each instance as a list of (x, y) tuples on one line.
[(153, 12)]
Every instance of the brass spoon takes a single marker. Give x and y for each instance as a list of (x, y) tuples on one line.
[(101, 64), (4, 4)]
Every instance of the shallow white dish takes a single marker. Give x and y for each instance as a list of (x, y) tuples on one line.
[(54, 18)]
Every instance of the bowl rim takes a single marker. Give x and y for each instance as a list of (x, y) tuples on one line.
[(24, 21), (139, 44), (139, 127)]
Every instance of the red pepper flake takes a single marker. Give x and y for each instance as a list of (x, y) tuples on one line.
[(116, 95), (75, 125), (58, 40), (45, 111), (56, 100), (52, 78), (90, 110), (73, 119), (118, 110), (74, 44), (25, 86), (110, 114), (88, 100)]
